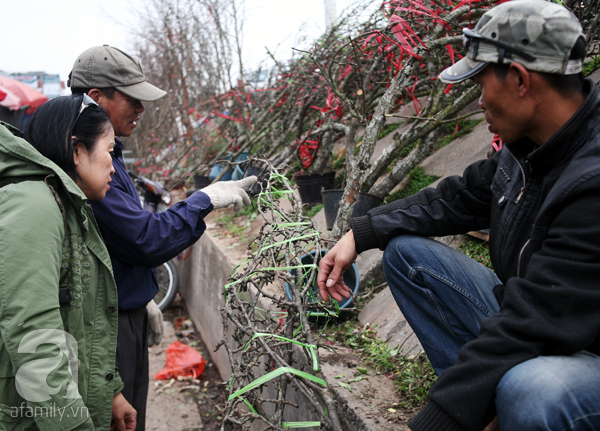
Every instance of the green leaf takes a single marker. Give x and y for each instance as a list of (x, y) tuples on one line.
[(272, 375), (347, 386), (286, 425)]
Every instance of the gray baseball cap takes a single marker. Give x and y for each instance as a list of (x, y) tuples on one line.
[(536, 33), (108, 67)]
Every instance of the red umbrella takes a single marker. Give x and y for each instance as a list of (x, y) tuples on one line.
[(8, 99), (28, 97)]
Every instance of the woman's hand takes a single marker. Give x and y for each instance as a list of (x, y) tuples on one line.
[(123, 415)]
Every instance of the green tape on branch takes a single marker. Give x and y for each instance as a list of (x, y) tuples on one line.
[(300, 223), (252, 409), (286, 425), (310, 347), (272, 375), (287, 241)]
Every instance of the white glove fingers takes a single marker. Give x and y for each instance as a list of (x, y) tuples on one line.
[(247, 182)]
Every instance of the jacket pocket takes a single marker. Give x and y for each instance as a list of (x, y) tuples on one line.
[(500, 186)]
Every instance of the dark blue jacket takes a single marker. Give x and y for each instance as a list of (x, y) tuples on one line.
[(138, 240)]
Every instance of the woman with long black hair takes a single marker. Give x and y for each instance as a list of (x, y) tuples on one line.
[(58, 299)]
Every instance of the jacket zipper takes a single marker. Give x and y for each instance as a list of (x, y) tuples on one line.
[(509, 222), (520, 256), (520, 195)]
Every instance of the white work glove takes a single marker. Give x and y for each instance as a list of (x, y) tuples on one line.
[(155, 324), (224, 193)]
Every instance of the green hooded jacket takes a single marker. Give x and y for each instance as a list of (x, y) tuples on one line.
[(57, 361)]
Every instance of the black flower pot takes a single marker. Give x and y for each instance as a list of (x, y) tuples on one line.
[(310, 186)]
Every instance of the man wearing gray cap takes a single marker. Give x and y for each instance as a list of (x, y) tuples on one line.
[(517, 348), (138, 240)]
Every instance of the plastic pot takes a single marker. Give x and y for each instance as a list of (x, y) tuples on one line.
[(216, 170), (351, 279), (331, 205), (238, 171), (310, 186)]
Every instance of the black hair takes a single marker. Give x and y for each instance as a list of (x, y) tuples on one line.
[(565, 85), (109, 92), (52, 126)]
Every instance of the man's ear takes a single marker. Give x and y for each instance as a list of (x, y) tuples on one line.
[(96, 94), (521, 76)]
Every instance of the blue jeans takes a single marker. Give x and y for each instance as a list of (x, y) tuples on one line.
[(445, 295)]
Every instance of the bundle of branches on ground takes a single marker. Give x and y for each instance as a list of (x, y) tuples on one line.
[(267, 333)]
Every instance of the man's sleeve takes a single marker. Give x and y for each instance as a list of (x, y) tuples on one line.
[(141, 238), (551, 310), (457, 205), (31, 238)]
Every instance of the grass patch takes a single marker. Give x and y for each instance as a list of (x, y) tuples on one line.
[(465, 126), (236, 227), (418, 180), (308, 211), (412, 375), (590, 66), (339, 162), (477, 250), (387, 129)]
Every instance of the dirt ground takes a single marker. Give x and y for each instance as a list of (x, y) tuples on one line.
[(186, 405)]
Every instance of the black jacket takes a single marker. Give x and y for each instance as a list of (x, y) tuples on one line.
[(541, 205)]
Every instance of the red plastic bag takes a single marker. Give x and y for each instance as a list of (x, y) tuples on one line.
[(182, 360)]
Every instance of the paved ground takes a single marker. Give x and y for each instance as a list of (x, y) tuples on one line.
[(183, 405)]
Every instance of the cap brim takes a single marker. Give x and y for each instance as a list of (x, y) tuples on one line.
[(461, 70), (142, 91)]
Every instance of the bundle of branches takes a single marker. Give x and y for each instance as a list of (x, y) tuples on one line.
[(268, 332)]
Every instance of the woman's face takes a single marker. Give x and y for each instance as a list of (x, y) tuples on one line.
[(94, 169)]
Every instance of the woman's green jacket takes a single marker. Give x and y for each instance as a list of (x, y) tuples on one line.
[(57, 357)]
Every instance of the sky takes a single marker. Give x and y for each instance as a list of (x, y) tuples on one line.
[(47, 35)]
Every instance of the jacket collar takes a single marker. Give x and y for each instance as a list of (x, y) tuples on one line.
[(118, 150)]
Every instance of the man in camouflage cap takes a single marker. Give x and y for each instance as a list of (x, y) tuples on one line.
[(516, 348)]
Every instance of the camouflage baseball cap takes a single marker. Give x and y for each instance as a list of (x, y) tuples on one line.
[(108, 67), (536, 33)]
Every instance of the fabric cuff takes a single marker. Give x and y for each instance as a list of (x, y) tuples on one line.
[(364, 235), (432, 417), (118, 385), (200, 199)]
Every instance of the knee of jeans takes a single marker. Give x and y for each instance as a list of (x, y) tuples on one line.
[(529, 394), (402, 248)]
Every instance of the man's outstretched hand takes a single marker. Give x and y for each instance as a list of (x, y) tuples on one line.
[(333, 266), (225, 193)]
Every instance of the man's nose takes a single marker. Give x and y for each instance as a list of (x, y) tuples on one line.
[(139, 107), (480, 102)]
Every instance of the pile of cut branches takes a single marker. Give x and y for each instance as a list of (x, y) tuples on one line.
[(265, 333)]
